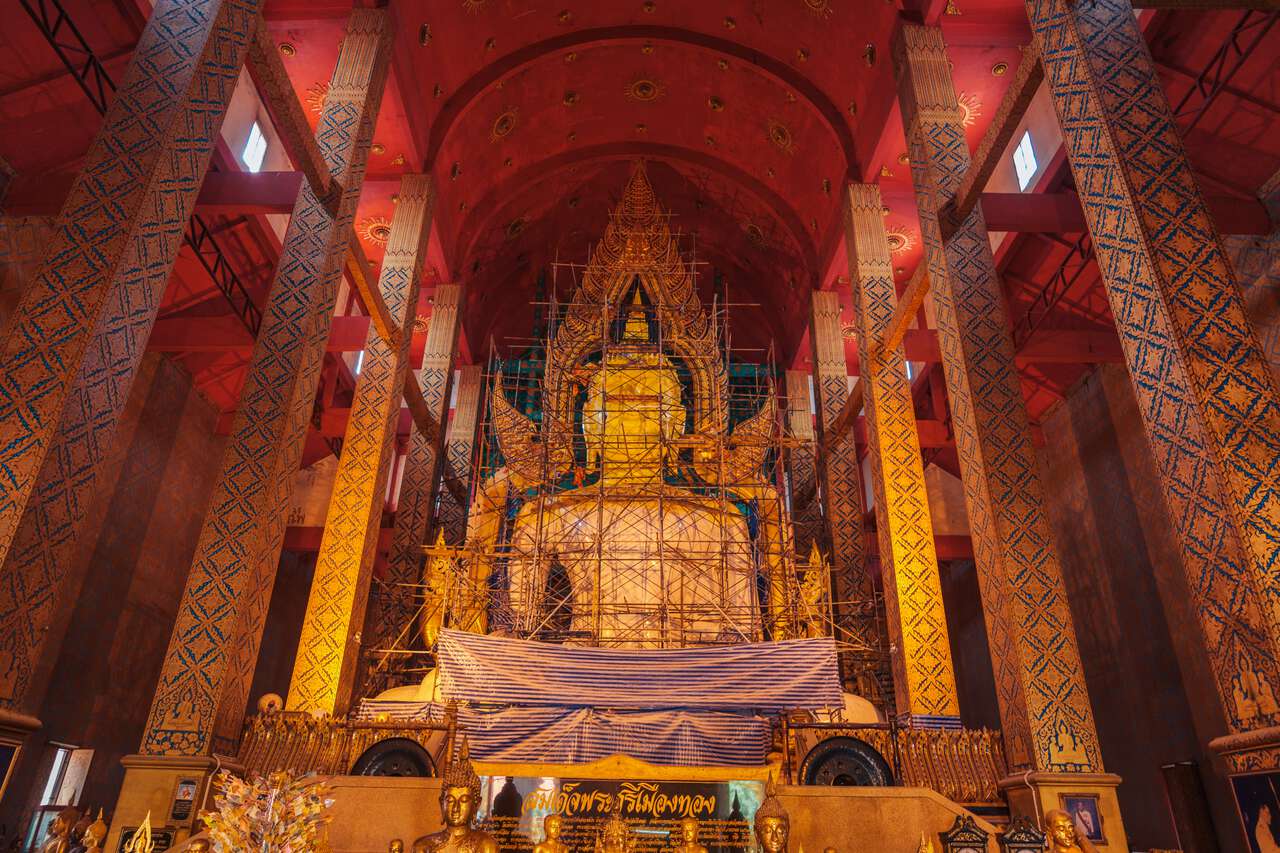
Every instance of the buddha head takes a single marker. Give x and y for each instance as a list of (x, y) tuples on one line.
[(772, 825), (552, 825), (689, 831), (396, 846), (1061, 830), (460, 793)]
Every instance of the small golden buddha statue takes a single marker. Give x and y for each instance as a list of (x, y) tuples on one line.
[(459, 801), (95, 835), (552, 825), (689, 837), (1062, 834), (58, 837), (396, 846), (614, 836), (200, 845), (772, 824)]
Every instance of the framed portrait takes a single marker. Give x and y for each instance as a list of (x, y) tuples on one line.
[(1258, 801), (183, 804), (1086, 813)]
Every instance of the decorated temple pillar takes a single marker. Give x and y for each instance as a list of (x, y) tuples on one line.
[(213, 648), (460, 448), (854, 604), (329, 646), (1045, 713), (81, 326), (806, 513), (1206, 391), (397, 601), (923, 676)]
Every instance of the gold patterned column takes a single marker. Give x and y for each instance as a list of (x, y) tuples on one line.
[(397, 601), (1044, 704), (923, 676), (806, 516), (459, 450), (79, 331), (329, 647), (857, 613), (1206, 391), (214, 645)]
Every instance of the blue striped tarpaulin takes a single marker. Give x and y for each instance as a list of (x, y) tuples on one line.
[(579, 735), (754, 677)]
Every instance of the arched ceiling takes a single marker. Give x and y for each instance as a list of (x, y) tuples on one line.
[(529, 117)]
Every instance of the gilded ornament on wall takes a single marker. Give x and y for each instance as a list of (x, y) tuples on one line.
[(645, 89), (780, 136), (315, 95), (970, 106), (376, 229), (821, 8), (503, 125)]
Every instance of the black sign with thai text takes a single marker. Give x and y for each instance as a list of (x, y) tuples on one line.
[(516, 806)]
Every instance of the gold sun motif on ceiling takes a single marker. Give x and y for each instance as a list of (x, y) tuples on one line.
[(970, 107), (780, 135), (503, 124), (821, 8), (473, 6), (899, 241), (315, 95), (645, 89), (376, 229)]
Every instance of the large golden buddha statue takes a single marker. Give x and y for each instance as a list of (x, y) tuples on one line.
[(634, 489), (459, 803)]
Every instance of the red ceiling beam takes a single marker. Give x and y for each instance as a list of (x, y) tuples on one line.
[(1060, 213), (238, 193)]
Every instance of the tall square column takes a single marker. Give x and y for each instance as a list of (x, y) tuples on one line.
[(1207, 394), (923, 676), (215, 640), (854, 604), (1045, 714), (329, 647), (397, 602), (78, 335)]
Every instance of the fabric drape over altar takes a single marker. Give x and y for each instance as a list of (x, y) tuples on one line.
[(758, 677), (524, 701)]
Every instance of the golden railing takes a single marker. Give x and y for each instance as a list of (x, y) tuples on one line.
[(331, 745), (963, 765)]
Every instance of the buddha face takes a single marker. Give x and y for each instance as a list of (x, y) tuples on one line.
[(457, 806), (773, 832), (552, 826), (1061, 829), (397, 846), (689, 831)]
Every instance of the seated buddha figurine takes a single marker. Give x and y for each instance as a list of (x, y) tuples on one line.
[(772, 823), (614, 837), (1062, 834), (459, 801), (689, 837), (552, 824), (57, 838)]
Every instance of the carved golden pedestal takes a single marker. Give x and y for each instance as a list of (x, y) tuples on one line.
[(150, 785), (1037, 792)]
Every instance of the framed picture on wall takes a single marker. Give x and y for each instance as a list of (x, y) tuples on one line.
[(1258, 801), (1086, 813), (184, 800)]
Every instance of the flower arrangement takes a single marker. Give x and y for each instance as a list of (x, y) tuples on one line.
[(278, 813)]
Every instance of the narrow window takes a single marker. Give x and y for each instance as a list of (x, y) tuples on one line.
[(1024, 161), (255, 149), (359, 362)]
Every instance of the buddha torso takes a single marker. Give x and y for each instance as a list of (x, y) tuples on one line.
[(649, 563), (453, 841)]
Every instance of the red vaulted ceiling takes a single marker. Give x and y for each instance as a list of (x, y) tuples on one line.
[(751, 114)]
